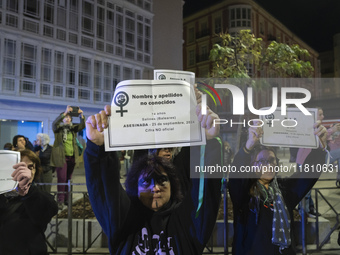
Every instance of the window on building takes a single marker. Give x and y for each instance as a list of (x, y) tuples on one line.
[(97, 74), (58, 66), (261, 28), (45, 89), (8, 84), (84, 72), (12, 5), (27, 87), (84, 94), (138, 74), (107, 76), (107, 97), (61, 17), (97, 96), (70, 92), (48, 13), (147, 5), (240, 17), (74, 5), (48, 31), (191, 57), (11, 20), (71, 69), (28, 60), (218, 25), (58, 91), (110, 26), (191, 35), (127, 73), (31, 8), (87, 17), (46, 60), (140, 3), (147, 45), (9, 57)]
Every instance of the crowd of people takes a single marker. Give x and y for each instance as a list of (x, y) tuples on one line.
[(160, 209)]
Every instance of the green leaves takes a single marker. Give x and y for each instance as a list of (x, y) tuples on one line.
[(235, 54)]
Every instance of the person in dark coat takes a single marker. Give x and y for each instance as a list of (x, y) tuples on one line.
[(25, 213), (44, 150), (262, 202), (155, 214)]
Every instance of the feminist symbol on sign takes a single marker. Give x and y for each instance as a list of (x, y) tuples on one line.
[(121, 99)]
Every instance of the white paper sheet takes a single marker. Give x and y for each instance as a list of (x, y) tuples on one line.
[(301, 136), (153, 114), (7, 160)]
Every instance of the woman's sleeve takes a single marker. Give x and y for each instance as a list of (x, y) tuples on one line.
[(201, 220), (55, 124), (239, 181), (109, 200), (298, 185), (81, 125), (40, 207)]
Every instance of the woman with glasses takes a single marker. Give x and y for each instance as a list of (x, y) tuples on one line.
[(262, 202), (159, 211)]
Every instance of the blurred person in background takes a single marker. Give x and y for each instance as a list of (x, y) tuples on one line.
[(9, 146), (65, 150), (21, 142), (44, 150)]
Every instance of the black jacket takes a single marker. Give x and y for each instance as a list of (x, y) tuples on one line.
[(131, 227), (23, 221), (251, 238)]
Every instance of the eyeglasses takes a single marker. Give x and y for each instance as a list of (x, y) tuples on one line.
[(160, 180), (271, 161)]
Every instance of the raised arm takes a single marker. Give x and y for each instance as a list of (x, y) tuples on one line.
[(240, 182), (108, 198)]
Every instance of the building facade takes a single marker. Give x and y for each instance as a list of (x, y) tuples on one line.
[(55, 53), (201, 31)]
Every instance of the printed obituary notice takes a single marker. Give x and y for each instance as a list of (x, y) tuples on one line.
[(153, 114), (295, 129), (7, 160), (160, 74)]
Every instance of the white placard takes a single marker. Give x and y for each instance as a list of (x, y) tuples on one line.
[(174, 75), (295, 129), (153, 114), (8, 159)]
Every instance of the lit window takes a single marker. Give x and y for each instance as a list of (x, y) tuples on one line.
[(240, 17)]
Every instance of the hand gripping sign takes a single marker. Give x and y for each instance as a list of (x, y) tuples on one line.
[(153, 114)]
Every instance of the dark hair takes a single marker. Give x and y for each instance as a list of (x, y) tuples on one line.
[(255, 152), (67, 114), (15, 140), (8, 146), (35, 159), (149, 165)]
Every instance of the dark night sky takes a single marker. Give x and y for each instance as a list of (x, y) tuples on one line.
[(314, 21)]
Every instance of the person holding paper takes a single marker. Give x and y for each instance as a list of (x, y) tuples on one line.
[(25, 213), (65, 150), (156, 214), (262, 203), (301, 157)]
